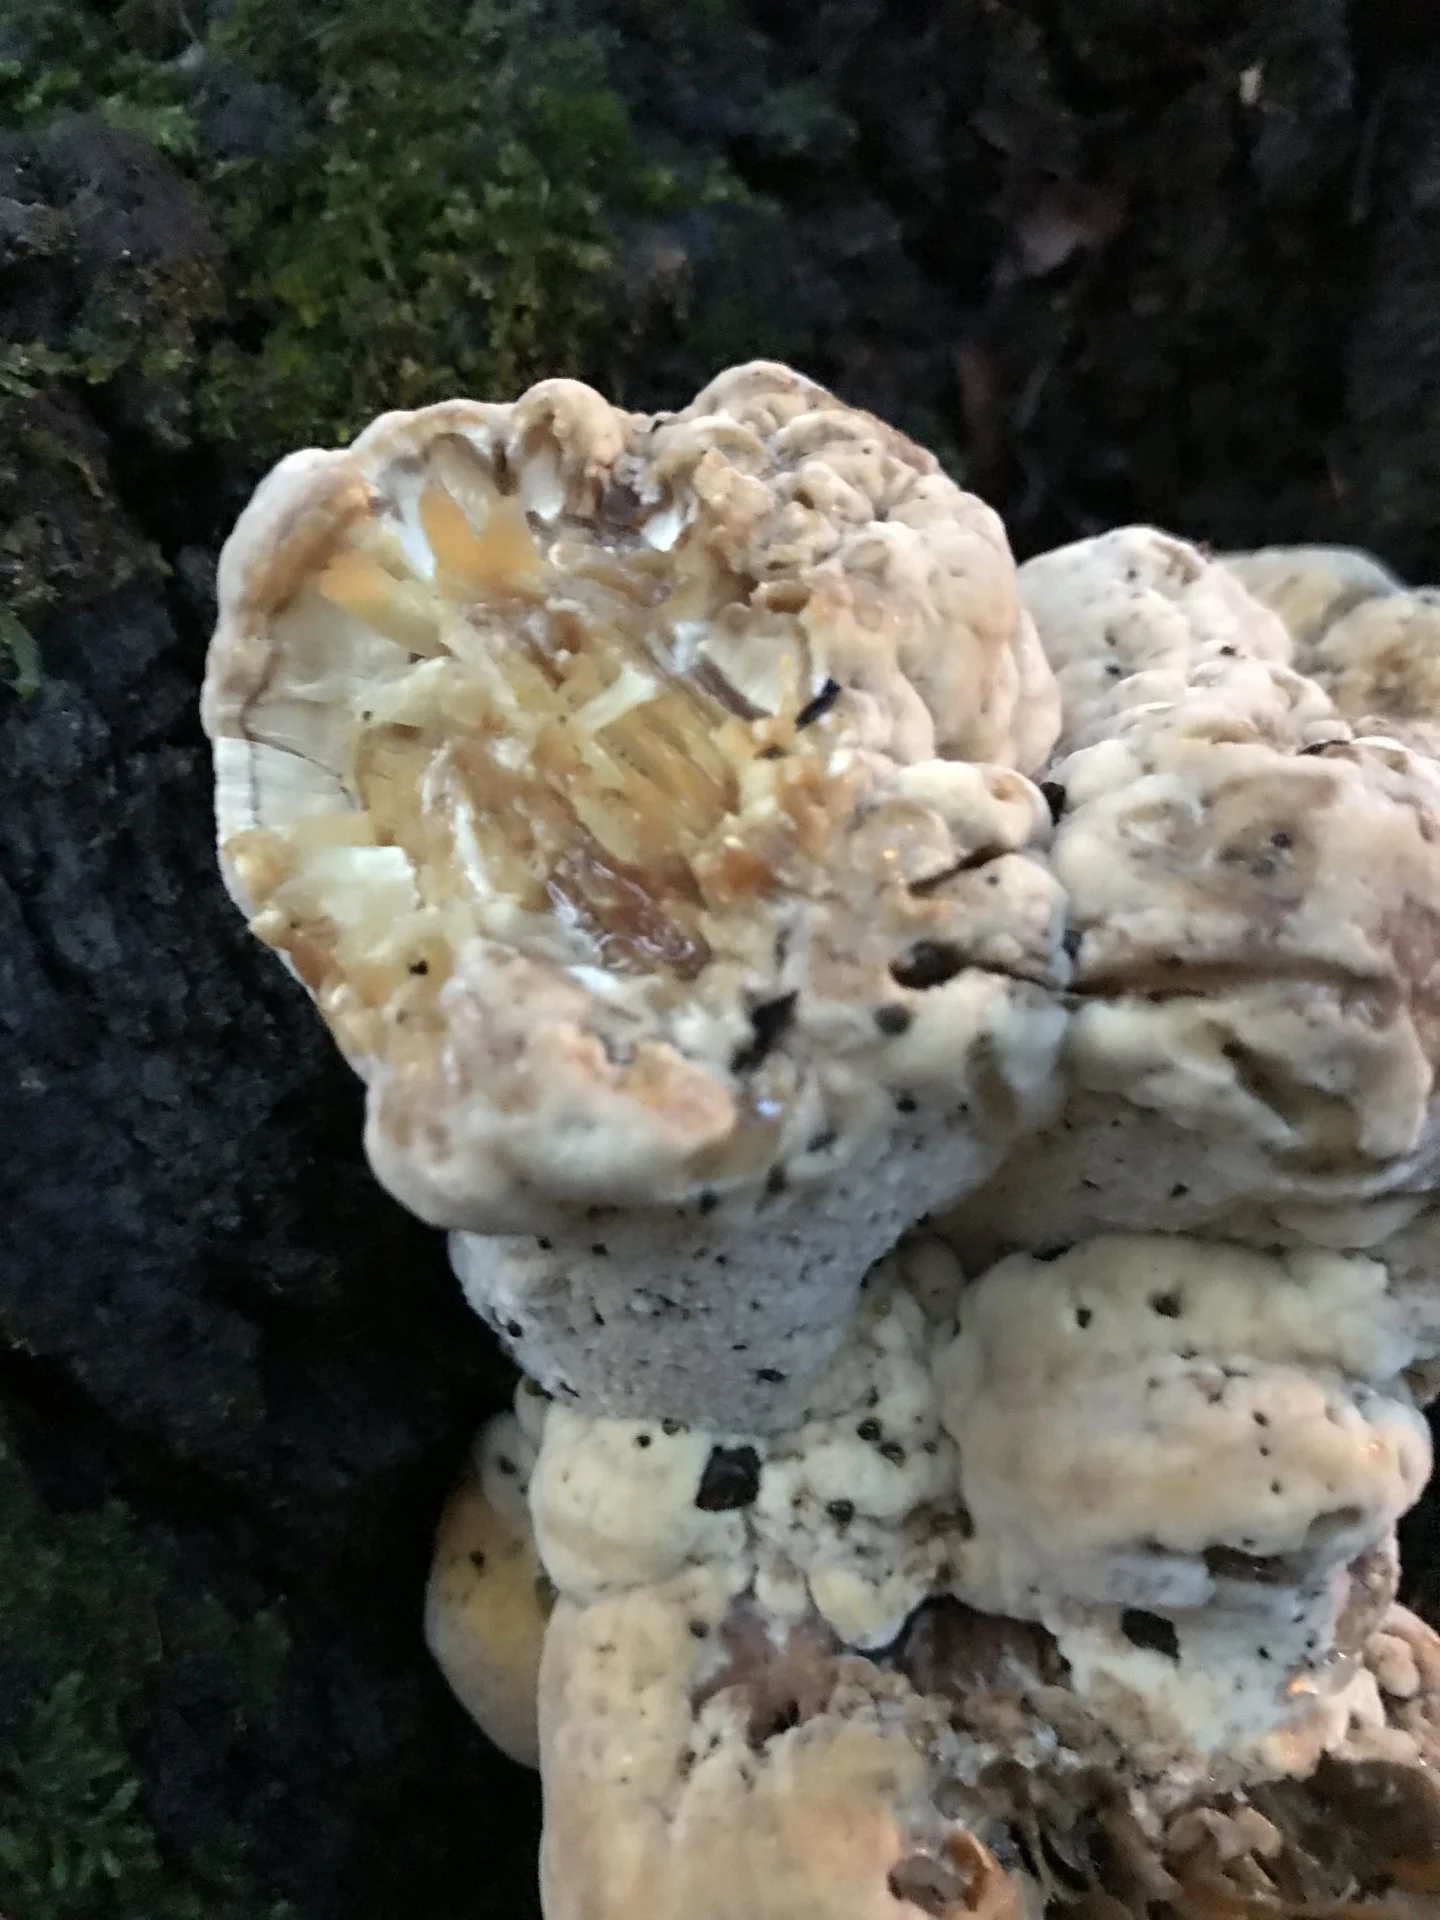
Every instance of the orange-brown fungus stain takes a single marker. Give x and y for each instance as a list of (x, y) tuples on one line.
[(733, 873), (986, 1890), (311, 947), (623, 821), (262, 862), (627, 915)]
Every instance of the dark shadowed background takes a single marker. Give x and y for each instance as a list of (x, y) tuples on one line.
[(1174, 260)]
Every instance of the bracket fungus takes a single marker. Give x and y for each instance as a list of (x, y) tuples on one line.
[(929, 1067), (645, 803)]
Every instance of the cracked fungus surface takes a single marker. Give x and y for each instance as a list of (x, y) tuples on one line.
[(624, 779)]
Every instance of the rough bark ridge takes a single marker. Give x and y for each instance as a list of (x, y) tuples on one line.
[(1118, 258)]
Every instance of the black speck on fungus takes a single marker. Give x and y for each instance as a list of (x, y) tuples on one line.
[(768, 1023), (731, 1480), (1150, 1631), (929, 963)]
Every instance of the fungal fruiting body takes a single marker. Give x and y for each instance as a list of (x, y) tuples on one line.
[(717, 859), (645, 803)]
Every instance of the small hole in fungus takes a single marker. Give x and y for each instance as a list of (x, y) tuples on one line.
[(622, 504), (644, 1439), (1071, 942), (780, 1719), (477, 1560), (419, 967), (776, 1180), (771, 1376), (1083, 1316), (1055, 797), (1048, 1254), (869, 1430), (1179, 1190), (893, 1019), (670, 1428), (545, 1246), (731, 1479), (842, 1512), (927, 1883), (929, 963), (906, 1103), (600, 1250), (892, 1451), (768, 1023), (820, 1141), (1167, 1305), (1150, 1631), (708, 1202), (514, 1329)]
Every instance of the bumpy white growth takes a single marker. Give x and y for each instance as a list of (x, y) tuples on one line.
[(1224, 1448), (1310, 587), (722, 1311), (1133, 621), (1182, 1458), (1252, 873), (1222, 1436), (849, 1515), (648, 802), (614, 1503), (1152, 1358), (659, 1808)]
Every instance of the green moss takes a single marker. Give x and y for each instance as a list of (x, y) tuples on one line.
[(83, 58), (445, 223), (93, 1608), (396, 202), (457, 200)]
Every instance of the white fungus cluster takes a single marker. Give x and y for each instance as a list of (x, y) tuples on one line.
[(842, 1517), (719, 861), (645, 802), (1224, 1447)]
